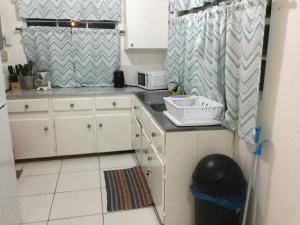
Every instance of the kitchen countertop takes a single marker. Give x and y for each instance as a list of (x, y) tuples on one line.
[(66, 92), (146, 97)]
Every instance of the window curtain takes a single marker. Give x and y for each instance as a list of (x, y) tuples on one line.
[(176, 50), (74, 57), (70, 9), (49, 48), (96, 56), (183, 5), (222, 49), (244, 43), (204, 63)]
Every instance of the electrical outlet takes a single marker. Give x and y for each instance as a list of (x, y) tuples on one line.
[(4, 56)]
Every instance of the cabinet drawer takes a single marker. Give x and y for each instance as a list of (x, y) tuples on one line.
[(117, 102), (146, 120), (137, 106), (28, 105), (157, 137), (72, 104)]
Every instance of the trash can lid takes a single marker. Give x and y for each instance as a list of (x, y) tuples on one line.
[(219, 175)]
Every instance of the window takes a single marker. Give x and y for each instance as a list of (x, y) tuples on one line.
[(265, 46), (72, 23)]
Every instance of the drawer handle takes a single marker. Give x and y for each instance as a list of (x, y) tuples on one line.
[(72, 105), (149, 158), (89, 126), (26, 106), (153, 134), (114, 103), (100, 125), (137, 135), (46, 129)]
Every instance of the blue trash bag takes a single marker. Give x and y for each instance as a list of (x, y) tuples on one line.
[(233, 203)]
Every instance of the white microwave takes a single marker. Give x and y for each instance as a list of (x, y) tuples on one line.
[(152, 80)]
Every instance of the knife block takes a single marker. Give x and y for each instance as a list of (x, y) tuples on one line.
[(16, 86)]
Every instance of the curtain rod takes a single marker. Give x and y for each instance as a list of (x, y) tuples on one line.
[(20, 29)]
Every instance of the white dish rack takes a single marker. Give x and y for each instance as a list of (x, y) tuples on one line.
[(193, 109)]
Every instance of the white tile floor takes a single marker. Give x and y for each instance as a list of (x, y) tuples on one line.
[(72, 192)]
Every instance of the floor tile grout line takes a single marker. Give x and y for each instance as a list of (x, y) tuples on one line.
[(79, 171), (59, 192), (74, 217), (36, 175), (55, 191), (102, 215)]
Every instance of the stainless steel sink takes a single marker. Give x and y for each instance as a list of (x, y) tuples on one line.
[(158, 107)]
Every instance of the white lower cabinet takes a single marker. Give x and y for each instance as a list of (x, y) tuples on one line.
[(137, 138), (145, 150), (157, 183), (32, 138), (114, 132), (154, 171), (74, 135)]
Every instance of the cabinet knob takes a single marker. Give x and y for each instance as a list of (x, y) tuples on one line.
[(114, 103), (150, 158), (137, 135), (72, 105), (89, 126), (26, 106), (100, 125), (153, 134), (146, 152), (135, 107), (132, 45), (46, 129), (148, 173)]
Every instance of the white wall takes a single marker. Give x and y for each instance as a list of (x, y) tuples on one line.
[(278, 191), (131, 61)]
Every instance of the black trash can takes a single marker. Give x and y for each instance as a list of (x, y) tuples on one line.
[(219, 188)]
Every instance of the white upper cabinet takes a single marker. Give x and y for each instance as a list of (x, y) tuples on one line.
[(146, 24)]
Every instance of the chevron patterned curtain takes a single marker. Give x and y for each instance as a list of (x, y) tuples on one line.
[(222, 48), (96, 56), (176, 50), (183, 5), (70, 9), (50, 48), (244, 43), (204, 64)]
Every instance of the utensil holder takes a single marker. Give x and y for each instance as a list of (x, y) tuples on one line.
[(28, 82)]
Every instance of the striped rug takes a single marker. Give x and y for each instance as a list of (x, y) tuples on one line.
[(127, 189)]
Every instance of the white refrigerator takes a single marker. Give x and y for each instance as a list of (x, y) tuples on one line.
[(9, 206)]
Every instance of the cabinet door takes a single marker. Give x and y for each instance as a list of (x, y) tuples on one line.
[(114, 132), (137, 138), (33, 138), (145, 154), (74, 135), (144, 26), (157, 184)]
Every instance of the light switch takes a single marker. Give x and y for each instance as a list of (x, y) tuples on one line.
[(4, 56)]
